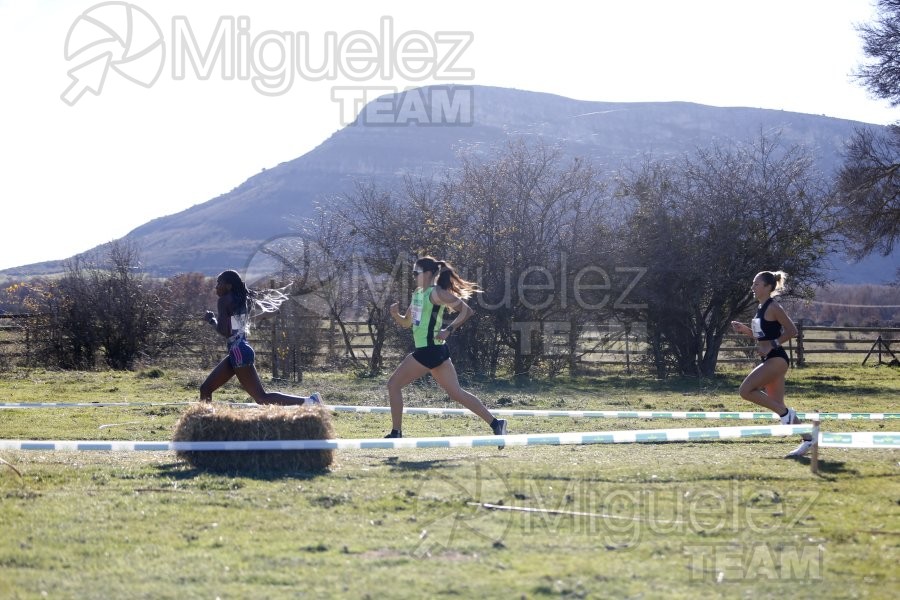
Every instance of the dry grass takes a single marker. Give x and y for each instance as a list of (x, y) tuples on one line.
[(210, 422)]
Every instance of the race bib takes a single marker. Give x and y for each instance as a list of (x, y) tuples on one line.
[(756, 326), (417, 309)]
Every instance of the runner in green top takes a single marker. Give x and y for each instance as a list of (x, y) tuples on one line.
[(427, 318), (438, 288)]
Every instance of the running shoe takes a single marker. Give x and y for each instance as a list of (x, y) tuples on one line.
[(790, 418), (800, 450)]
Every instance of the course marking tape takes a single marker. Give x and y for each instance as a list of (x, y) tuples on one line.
[(859, 439), (617, 414), (88, 404), (596, 414), (544, 439)]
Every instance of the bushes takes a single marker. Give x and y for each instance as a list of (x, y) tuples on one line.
[(105, 309)]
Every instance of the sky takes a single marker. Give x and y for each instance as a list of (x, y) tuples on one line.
[(104, 130)]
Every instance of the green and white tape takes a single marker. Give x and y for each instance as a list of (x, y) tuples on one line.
[(859, 439), (546, 439), (575, 414), (11, 405), (620, 414)]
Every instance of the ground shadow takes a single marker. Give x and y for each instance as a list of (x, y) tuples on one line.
[(827, 467), (420, 465), (832, 467), (182, 471)]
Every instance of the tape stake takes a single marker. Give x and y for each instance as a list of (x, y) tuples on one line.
[(814, 451)]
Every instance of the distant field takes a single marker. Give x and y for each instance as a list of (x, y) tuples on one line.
[(677, 520)]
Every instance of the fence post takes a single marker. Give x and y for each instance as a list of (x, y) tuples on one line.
[(274, 348), (801, 361), (814, 457), (879, 344), (274, 338), (627, 350), (27, 345)]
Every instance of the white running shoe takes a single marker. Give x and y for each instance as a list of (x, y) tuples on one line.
[(790, 418), (800, 450), (314, 399)]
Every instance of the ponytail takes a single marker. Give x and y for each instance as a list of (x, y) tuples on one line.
[(775, 280), (447, 278)]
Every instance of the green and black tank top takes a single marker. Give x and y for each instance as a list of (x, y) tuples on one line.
[(427, 318)]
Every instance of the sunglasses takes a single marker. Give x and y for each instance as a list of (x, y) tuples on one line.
[(417, 272)]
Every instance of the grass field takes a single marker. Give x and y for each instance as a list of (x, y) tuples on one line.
[(678, 520)]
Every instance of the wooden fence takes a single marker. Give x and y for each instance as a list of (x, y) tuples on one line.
[(874, 342), (15, 342), (599, 346), (822, 345)]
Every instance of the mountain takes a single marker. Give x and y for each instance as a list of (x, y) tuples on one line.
[(223, 232)]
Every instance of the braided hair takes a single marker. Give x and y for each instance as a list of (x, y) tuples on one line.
[(253, 301)]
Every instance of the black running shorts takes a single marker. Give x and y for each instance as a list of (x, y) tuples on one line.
[(432, 357), (777, 352)]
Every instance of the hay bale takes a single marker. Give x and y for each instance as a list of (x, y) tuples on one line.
[(209, 422)]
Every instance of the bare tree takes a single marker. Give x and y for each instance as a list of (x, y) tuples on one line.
[(519, 220), (331, 262), (704, 226), (532, 221), (127, 305), (881, 40), (351, 261), (183, 299), (868, 187), (385, 234), (868, 184)]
